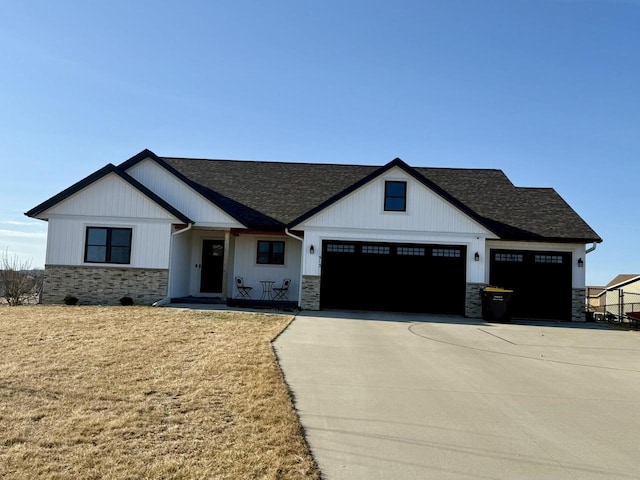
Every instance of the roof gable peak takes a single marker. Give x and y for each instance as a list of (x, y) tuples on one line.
[(98, 175)]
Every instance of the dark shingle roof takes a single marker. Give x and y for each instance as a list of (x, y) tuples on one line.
[(275, 194), (281, 191)]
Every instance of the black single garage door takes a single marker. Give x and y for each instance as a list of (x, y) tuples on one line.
[(541, 282), (393, 277)]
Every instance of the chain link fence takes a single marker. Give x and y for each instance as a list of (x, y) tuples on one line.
[(612, 305)]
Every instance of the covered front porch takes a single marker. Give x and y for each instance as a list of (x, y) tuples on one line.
[(240, 268)]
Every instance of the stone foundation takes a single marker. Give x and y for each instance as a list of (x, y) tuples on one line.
[(578, 304), (310, 299), (473, 300), (104, 285)]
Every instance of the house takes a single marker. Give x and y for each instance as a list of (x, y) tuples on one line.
[(620, 296), (391, 237)]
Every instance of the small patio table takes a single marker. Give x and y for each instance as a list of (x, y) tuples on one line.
[(266, 289)]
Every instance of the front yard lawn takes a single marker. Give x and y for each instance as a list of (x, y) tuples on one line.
[(136, 392)]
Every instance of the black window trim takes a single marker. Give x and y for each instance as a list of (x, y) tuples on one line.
[(387, 196), (270, 260), (107, 245)]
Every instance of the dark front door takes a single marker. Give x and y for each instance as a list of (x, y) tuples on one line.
[(212, 266), (541, 282)]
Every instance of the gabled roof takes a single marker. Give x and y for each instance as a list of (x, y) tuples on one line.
[(94, 177), (275, 195), (623, 279), (376, 173), (292, 192), (247, 216)]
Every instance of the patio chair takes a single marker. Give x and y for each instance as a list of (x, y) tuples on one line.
[(280, 293), (243, 290)]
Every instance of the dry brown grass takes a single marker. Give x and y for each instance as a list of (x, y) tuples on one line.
[(134, 392)]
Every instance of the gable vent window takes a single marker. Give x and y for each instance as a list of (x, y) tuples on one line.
[(395, 196), (509, 257), (108, 245), (446, 252), (414, 251), (548, 258), (340, 248), (376, 249), (270, 252)]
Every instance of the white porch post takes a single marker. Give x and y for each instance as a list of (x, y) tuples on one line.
[(225, 264)]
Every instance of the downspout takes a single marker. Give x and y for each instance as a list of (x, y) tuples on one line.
[(301, 240), (167, 299), (591, 249)]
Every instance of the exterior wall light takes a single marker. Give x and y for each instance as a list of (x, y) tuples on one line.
[(580, 262), (312, 249), (476, 257)]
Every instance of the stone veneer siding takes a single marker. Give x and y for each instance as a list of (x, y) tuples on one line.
[(473, 300), (578, 304), (104, 285), (310, 298)]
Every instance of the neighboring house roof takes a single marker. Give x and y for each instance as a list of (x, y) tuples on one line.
[(618, 282), (94, 177), (593, 292), (275, 195), (623, 279)]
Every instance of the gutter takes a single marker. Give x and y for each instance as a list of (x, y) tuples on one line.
[(591, 248), (166, 300), (301, 240)]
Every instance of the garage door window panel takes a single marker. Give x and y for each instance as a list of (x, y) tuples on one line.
[(340, 248), (446, 252), (411, 251), (376, 250), (548, 259)]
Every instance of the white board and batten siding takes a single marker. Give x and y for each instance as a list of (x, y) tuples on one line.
[(109, 202), (174, 191), (245, 264), (428, 219)]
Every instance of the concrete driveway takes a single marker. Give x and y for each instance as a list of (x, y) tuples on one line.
[(387, 396)]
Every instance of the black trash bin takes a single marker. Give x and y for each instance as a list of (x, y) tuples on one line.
[(495, 304)]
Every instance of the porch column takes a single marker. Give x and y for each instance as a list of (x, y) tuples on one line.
[(225, 264)]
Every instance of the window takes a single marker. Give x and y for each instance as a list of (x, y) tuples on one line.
[(340, 248), (446, 252), (376, 249), (108, 245), (270, 252), (395, 196), (509, 257), (415, 251), (548, 258)]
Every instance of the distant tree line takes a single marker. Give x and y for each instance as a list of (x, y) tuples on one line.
[(19, 283)]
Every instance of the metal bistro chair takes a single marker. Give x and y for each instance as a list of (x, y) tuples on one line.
[(243, 290), (281, 292)]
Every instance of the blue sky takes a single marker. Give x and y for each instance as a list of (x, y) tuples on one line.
[(546, 90)]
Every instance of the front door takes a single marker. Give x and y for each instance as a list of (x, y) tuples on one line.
[(212, 266)]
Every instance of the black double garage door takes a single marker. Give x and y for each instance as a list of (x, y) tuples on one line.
[(432, 278), (393, 277)]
